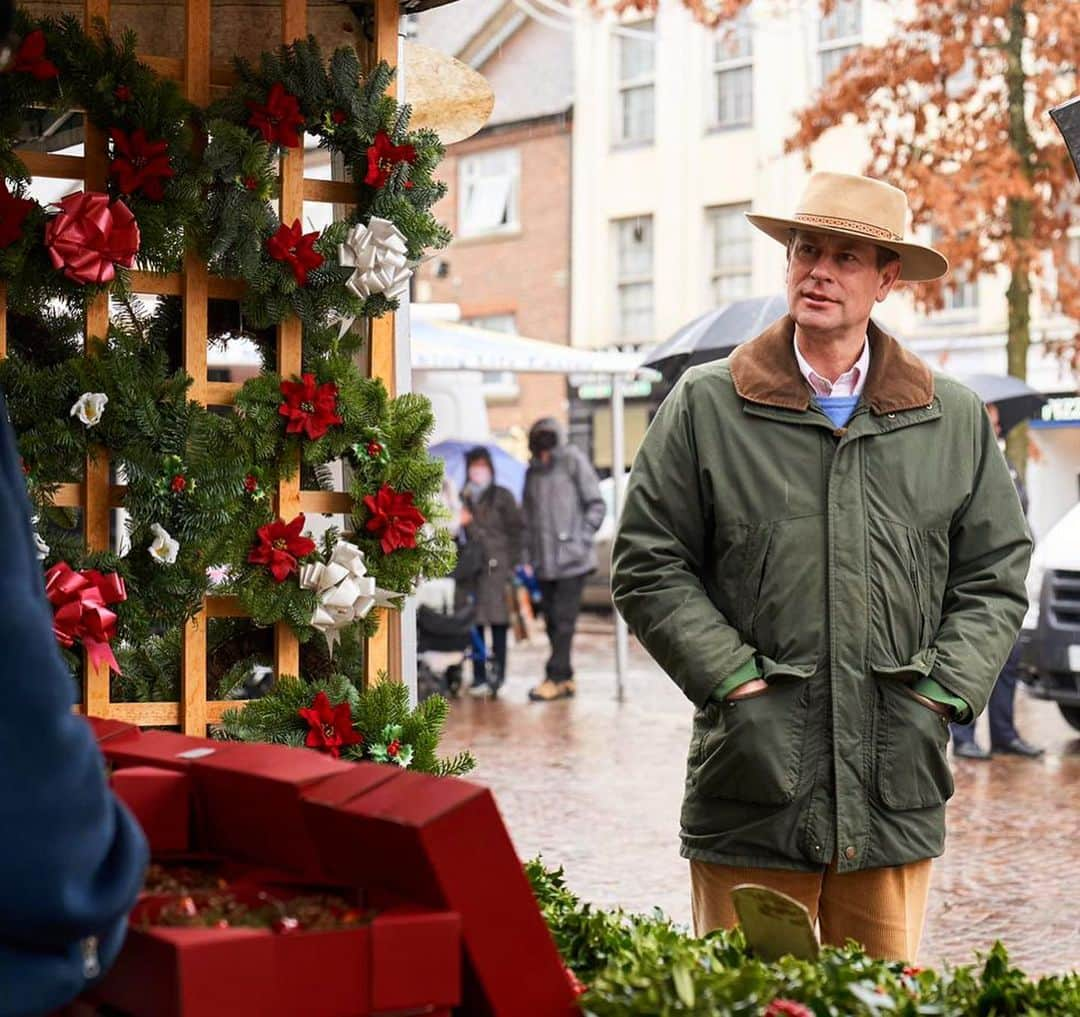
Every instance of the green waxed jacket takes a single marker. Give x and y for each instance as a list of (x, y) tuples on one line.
[(849, 564)]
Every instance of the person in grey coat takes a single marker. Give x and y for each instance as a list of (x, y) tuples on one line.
[(491, 518), (563, 509)]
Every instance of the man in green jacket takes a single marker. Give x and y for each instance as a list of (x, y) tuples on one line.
[(822, 546)]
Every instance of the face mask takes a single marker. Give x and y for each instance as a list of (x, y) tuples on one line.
[(480, 476)]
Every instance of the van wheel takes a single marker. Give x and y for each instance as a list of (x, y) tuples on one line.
[(1071, 714)]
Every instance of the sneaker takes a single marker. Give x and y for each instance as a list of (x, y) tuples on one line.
[(548, 691), (481, 690)]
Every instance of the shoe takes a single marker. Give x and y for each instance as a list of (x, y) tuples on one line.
[(970, 750), (1018, 747), (548, 691), (481, 690)]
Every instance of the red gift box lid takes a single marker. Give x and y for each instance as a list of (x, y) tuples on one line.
[(252, 806), (105, 729), (162, 748)]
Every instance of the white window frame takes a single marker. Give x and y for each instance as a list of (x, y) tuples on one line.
[(470, 169), (625, 281), (828, 49), (718, 271), (639, 82), (741, 32)]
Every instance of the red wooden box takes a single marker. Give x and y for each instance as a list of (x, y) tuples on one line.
[(161, 802), (161, 748), (251, 804), (442, 842)]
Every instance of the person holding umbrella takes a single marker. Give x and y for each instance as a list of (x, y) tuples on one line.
[(1004, 738)]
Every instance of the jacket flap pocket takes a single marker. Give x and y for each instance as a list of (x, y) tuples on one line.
[(772, 669), (918, 667)]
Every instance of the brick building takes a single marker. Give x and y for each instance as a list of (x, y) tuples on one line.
[(508, 202)]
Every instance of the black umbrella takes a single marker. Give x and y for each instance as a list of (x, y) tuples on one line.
[(1015, 400), (1067, 118), (715, 334)]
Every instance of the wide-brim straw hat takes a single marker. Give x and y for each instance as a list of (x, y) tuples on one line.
[(850, 206)]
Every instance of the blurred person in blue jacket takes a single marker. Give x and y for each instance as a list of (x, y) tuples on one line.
[(72, 858)]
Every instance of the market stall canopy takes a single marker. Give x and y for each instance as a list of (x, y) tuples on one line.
[(448, 346)]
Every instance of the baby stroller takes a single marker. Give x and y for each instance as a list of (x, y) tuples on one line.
[(443, 640)]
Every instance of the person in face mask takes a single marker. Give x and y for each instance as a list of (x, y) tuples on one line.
[(491, 519)]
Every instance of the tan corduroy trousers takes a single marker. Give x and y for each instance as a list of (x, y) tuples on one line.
[(883, 908)]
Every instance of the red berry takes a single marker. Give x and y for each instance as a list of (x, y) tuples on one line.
[(251, 483), (122, 93), (25, 466), (374, 449), (339, 116), (393, 748), (179, 482), (251, 183)]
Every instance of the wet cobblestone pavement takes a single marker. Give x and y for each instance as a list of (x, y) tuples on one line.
[(595, 786)]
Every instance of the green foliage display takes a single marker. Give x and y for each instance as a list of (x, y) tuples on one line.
[(276, 718), (200, 477), (647, 965)]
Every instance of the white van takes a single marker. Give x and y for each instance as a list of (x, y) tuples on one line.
[(1050, 637)]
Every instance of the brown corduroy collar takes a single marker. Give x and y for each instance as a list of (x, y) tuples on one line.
[(765, 371)]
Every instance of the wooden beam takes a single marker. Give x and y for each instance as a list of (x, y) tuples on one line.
[(55, 167), (330, 192), (221, 393), (329, 502)]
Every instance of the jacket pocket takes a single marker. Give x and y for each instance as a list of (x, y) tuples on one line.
[(752, 750), (912, 769)]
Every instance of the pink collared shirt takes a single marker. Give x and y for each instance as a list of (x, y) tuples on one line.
[(850, 383)]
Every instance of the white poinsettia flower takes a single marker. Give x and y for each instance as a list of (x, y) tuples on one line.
[(164, 549), (89, 407), (40, 545)]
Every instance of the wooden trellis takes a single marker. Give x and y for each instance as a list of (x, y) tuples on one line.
[(96, 496)]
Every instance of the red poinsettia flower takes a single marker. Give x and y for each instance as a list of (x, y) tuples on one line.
[(309, 408), (13, 213), (787, 1008), (383, 156), (280, 545), (279, 119), (297, 248), (30, 58), (140, 165), (578, 987), (330, 727), (394, 518)]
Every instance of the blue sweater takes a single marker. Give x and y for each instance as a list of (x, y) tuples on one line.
[(71, 857), (838, 408)]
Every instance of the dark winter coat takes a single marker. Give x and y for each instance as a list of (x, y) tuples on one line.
[(496, 525), (850, 562), (563, 509), (72, 859)]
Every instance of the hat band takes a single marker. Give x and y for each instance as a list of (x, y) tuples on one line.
[(867, 229)]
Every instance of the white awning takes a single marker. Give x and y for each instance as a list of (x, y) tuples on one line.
[(448, 346)]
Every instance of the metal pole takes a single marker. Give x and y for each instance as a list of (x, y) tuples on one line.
[(618, 474)]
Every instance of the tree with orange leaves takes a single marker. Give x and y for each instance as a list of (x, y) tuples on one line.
[(955, 109), (955, 106)]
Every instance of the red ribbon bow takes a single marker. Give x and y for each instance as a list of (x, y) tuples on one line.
[(90, 237), (80, 614)]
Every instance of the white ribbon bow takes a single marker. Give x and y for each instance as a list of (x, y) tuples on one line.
[(378, 253), (346, 592)]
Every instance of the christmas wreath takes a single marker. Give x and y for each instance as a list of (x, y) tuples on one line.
[(358, 266), (70, 252)]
